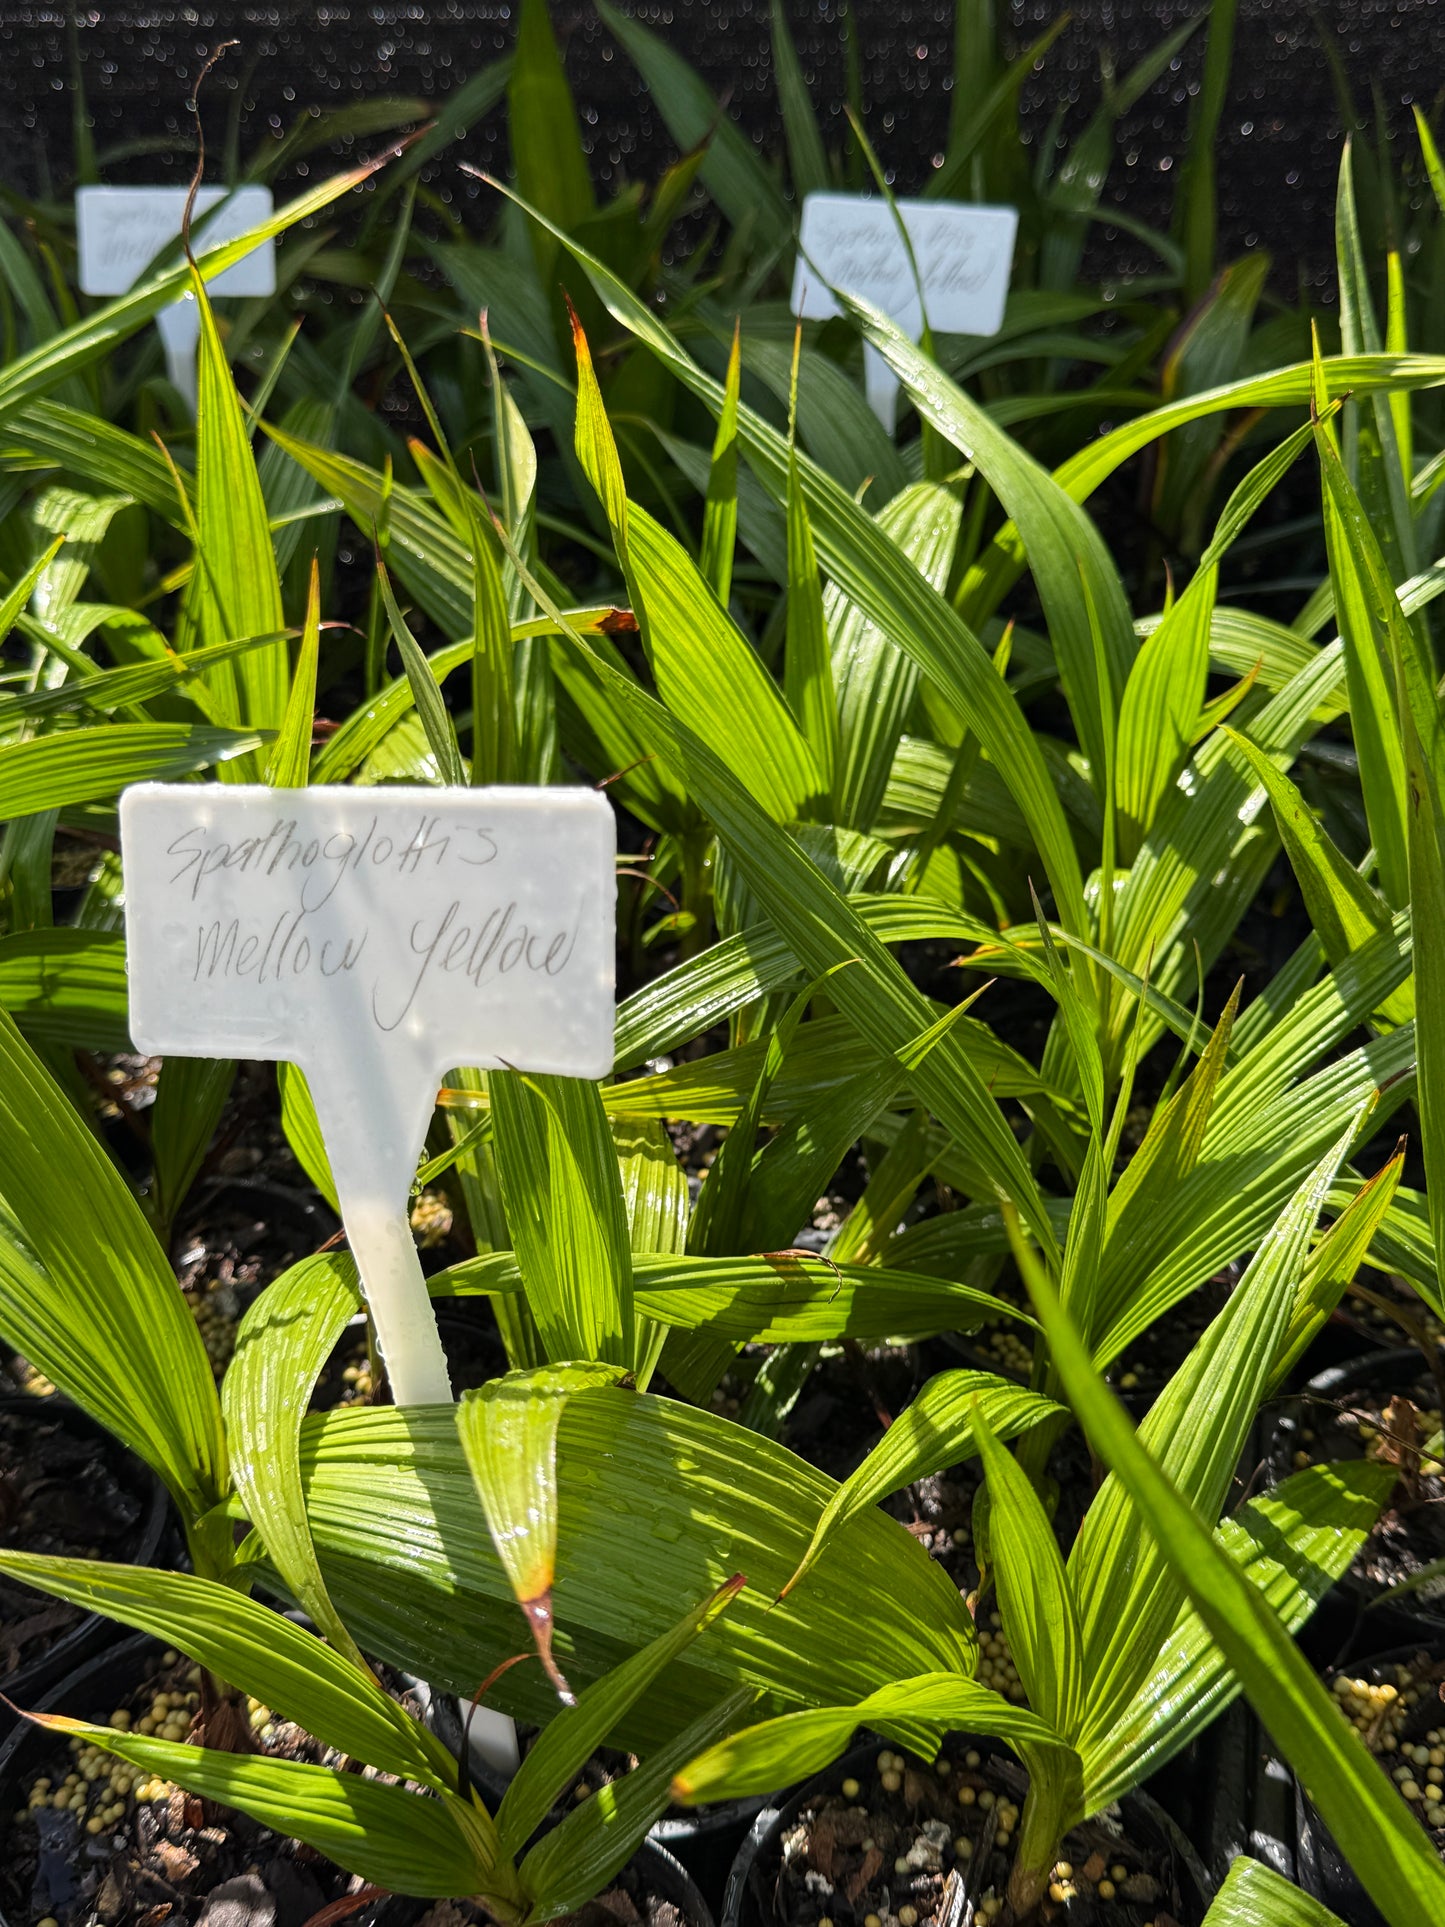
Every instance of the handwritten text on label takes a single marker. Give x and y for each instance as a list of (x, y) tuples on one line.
[(119, 232), (964, 255), (479, 923)]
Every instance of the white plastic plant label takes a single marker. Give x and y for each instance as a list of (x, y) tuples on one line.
[(964, 257), (376, 937), (120, 231)]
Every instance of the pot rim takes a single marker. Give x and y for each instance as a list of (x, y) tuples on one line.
[(773, 1817)]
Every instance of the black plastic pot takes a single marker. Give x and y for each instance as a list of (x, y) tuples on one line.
[(746, 1905), (1321, 1869), (1352, 1616), (707, 1841), (29, 1681)]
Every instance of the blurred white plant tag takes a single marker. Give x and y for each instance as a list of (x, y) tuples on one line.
[(119, 232), (964, 257), (376, 937)]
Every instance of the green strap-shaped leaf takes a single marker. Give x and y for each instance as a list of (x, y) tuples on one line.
[(66, 986), (717, 1223), (816, 921), (876, 680), (1169, 1152), (734, 173), (777, 1752), (937, 1430), (1254, 1895), (289, 766), (191, 1094), (1197, 1425), (546, 140), (567, 1742), (1165, 691), (689, 999), (494, 695), (560, 1185), (1425, 822), (868, 570), (54, 361), (282, 1345), (1343, 908), (807, 162), (807, 660), (414, 1572), (89, 1297), (1077, 581), (256, 1649), (1334, 1262), (1368, 615), (1380, 1836), (1037, 1605), (775, 1298), (1292, 387), (509, 1433), (15, 599), (704, 666), (720, 509), (303, 1131), (240, 589), (436, 1848), (133, 683), (1293, 1544), (95, 765), (577, 1859), (441, 733)]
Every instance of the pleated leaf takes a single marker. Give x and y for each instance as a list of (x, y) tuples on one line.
[(937, 1430), (508, 1431), (89, 1297), (94, 765), (405, 1842), (563, 1198), (289, 765), (256, 1649), (1254, 1895), (798, 1745), (1197, 1426), (1035, 1600), (413, 1570), (1380, 1836), (1293, 1544), (282, 1345), (240, 589)]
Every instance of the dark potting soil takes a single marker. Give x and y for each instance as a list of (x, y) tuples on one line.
[(895, 1844), (851, 1397), (1394, 1703), (162, 1858), (1396, 1427), (938, 1509), (64, 1493)]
